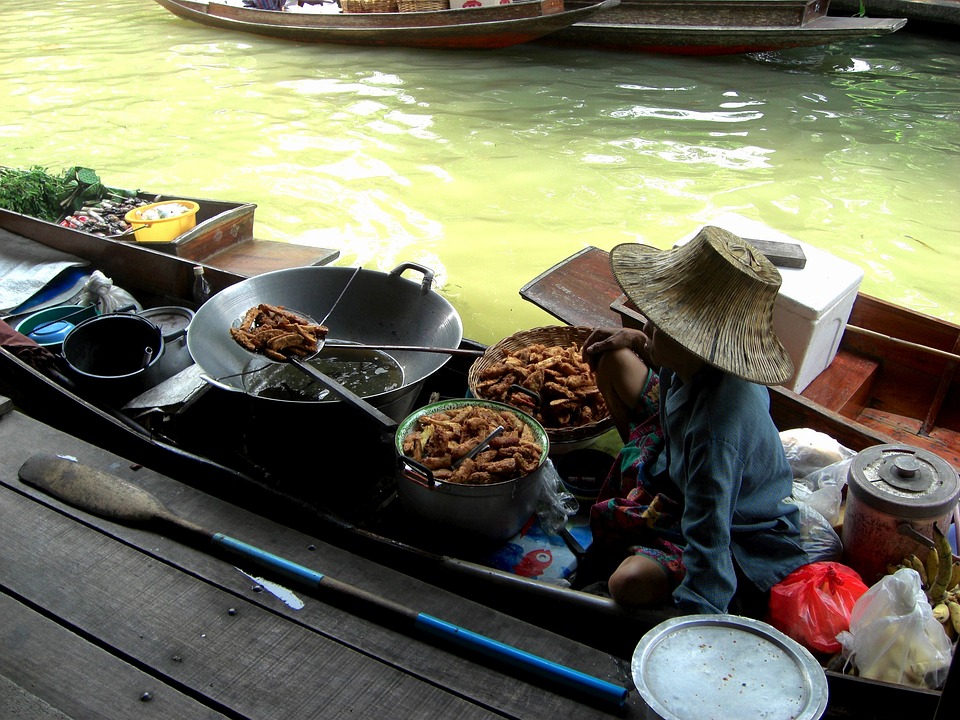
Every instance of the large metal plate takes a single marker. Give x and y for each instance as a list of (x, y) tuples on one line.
[(726, 666)]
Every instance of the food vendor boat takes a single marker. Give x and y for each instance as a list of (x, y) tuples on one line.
[(718, 27), (334, 476), (488, 27)]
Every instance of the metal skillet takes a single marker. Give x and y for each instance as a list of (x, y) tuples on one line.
[(302, 364)]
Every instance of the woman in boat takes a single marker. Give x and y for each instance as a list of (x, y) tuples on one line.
[(694, 506)]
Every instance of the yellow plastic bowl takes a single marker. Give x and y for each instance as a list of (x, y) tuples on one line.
[(165, 229)]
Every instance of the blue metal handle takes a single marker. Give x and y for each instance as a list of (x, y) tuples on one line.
[(281, 566), (567, 677), (555, 672)]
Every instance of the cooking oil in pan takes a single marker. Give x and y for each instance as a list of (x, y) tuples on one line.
[(364, 372)]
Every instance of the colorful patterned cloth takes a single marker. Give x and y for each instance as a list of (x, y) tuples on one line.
[(632, 515)]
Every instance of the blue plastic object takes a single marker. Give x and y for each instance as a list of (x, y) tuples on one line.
[(559, 675)]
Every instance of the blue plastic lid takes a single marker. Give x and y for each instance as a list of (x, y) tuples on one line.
[(51, 333)]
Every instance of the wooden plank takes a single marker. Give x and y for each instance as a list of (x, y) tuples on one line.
[(845, 386), (259, 256), (183, 629), (482, 685), (59, 675), (578, 290)]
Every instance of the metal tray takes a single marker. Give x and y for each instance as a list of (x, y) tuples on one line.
[(726, 666)]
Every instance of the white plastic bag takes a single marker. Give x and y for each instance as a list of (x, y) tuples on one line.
[(555, 504), (817, 536), (809, 450), (823, 489), (894, 637), (99, 290)]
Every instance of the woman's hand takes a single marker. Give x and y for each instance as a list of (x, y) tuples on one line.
[(602, 340)]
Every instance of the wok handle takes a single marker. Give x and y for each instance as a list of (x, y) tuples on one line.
[(428, 274), (349, 397), (216, 383)]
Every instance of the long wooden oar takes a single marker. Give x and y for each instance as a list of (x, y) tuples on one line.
[(111, 497)]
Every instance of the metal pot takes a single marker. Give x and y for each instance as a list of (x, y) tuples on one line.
[(496, 511), (114, 357), (173, 322), (377, 308), (893, 492)]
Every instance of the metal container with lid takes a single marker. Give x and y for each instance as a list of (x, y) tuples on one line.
[(173, 322), (726, 666), (894, 492)]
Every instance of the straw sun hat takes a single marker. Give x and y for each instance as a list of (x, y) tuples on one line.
[(714, 296)]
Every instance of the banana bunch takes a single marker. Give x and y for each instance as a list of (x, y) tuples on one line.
[(940, 577)]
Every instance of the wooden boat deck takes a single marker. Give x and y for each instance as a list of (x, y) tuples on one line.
[(107, 621), (905, 393)]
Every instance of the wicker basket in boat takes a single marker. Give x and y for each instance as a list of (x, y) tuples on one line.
[(368, 6), (422, 5), (559, 335)]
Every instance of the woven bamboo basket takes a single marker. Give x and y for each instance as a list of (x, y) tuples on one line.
[(368, 6), (561, 335), (422, 5)]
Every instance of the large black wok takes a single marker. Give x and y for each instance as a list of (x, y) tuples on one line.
[(377, 308)]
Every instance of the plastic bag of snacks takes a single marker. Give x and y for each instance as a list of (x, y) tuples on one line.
[(813, 604), (894, 636)]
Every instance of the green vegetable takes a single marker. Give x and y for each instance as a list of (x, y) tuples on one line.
[(37, 193), (32, 192)]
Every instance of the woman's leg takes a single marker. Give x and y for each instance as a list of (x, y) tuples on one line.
[(622, 378), (639, 581)]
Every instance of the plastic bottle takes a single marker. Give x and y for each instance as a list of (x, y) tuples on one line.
[(201, 287)]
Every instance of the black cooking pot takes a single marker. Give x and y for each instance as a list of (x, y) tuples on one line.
[(115, 356), (377, 308)]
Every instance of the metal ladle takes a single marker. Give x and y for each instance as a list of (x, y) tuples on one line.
[(303, 365)]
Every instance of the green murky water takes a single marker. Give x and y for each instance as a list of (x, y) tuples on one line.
[(490, 167)]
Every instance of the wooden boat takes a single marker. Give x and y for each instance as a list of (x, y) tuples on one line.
[(194, 444), (488, 27), (718, 27), (894, 376), (931, 16)]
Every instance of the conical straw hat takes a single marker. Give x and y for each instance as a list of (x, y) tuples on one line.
[(714, 296)]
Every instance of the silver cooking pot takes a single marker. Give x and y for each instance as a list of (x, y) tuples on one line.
[(496, 511), (377, 308)]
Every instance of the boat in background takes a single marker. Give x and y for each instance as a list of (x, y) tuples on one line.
[(477, 28), (717, 27), (936, 17)]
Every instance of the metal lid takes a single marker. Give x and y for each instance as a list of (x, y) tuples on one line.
[(171, 319), (726, 666), (904, 481)]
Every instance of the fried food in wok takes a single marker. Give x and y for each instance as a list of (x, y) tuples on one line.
[(274, 331), (568, 392), (442, 438)]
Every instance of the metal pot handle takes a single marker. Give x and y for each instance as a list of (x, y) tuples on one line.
[(218, 384), (417, 472), (428, 274)]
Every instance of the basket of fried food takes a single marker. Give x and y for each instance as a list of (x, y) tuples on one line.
[(541, 372)]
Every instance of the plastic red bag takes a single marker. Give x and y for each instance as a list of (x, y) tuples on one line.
[(813, 604)]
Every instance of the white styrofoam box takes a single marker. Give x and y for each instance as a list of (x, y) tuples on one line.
[(814, 302), (455, 4)]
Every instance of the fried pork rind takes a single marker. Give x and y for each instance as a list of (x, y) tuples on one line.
[(442, 438), (568, 392), (274, 331)]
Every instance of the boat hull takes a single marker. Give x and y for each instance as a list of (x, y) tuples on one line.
[(717, 27), (361, 515), (470, 28)]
